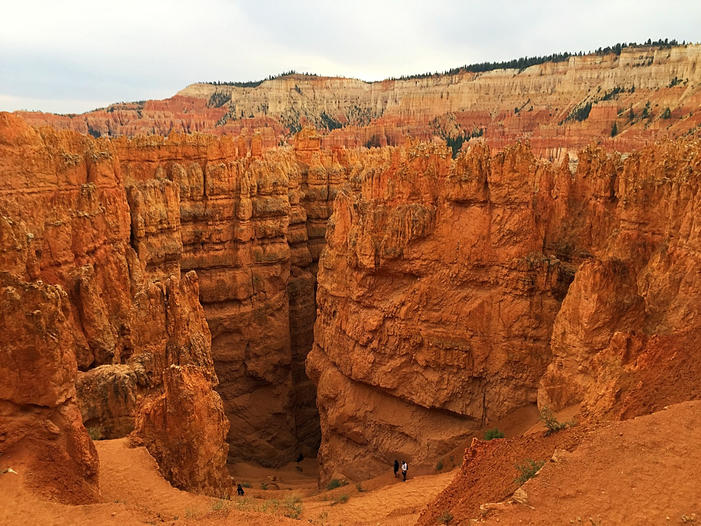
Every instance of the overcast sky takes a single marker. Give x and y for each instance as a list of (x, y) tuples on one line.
[(75, 55)]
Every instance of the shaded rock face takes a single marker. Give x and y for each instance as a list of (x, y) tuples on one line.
[(251, 224), (65, 220), (185, 430), (623, 341), (41, 433), (445, 291)]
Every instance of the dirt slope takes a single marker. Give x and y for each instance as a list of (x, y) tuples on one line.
[(640, 471)]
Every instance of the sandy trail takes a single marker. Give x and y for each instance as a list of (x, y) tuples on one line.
[(134, 492)]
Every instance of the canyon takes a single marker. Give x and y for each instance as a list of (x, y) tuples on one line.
[(319, 273)]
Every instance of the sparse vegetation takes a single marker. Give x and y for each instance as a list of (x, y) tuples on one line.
[(528, 469), (329, 122), (552, 424), (614, 130), (646, 110), (95, 432), (445, 517), (580, 113), (336, 483), (256, 83), (341, 499), (667, 113), (220, 505), (246, 484), (359, 487), (218, 99), (439, 466), (491, 434), (263, 485), (292, 507)]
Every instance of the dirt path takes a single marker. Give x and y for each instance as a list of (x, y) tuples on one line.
[(133, 492)]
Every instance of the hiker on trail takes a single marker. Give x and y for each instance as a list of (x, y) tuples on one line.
[(239, 490), (404, 470), (396, 468)]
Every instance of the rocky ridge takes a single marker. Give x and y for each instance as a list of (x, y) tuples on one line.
[(649, 93)]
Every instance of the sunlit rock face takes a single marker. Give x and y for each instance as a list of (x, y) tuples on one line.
[(112, 326), (446, 300)]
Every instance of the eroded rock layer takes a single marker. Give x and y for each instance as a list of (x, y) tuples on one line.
[(646, 93), (65, 221), (251, 222), (441, 289)]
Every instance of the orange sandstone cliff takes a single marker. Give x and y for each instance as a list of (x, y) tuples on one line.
[(454, 291), (81, 310), (426, 295)]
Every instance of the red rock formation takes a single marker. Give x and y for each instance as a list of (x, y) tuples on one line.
[(628, 323), (632, 90), (185, 431), (441, 286), (434, 299), (66, 221), (41, 433)]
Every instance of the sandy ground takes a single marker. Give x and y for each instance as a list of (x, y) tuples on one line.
[(641, 471), (133, 492), (637, 472)]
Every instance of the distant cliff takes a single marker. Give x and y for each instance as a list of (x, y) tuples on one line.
[(622, 100)]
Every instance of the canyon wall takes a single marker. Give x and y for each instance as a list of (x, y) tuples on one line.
[(444, 296), (648, 93), (428, 295), (93, 318), (250, 221)]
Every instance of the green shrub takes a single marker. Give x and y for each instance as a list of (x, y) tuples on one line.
[(439, 466), (246, 484), (95, 432), (491, 434), (667, 113), (528, 469), (340, 500), (292, 507), (335, 483), (551, 423), (445, 517), (614, 130), (263, 485)]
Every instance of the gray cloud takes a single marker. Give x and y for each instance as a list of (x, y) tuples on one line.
[(74, 55)]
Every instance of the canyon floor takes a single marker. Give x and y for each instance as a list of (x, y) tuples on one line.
[(639, 471)]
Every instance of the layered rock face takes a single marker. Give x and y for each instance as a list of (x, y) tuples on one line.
[(435, 302), (441, 288), (624, 341), (251, 223), (41, 432), (649, 93), (65, 221)]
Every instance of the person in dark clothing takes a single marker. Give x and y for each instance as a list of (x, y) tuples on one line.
[(239, 490), (405, 467), (396, 468)]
